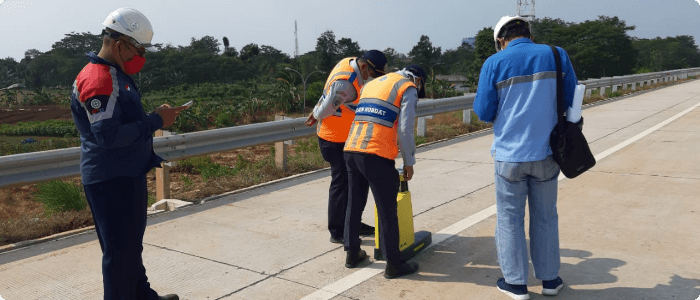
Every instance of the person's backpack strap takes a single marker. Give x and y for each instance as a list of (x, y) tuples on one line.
[(561, 107)]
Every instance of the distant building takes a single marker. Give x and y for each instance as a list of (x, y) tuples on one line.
[(456, 80), (470, 40), (14, 87), (404, 58)]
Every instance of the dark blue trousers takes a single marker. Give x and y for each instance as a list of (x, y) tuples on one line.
[(338, 191), (367, 171), (119, 211)]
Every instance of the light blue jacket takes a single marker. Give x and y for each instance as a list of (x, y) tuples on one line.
[(517, 92)]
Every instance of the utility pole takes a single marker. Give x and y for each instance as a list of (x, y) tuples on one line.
[(296, 41)]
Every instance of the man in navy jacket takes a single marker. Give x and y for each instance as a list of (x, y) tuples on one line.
[(117, 150)]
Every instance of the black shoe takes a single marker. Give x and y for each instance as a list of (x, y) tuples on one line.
[(337, 240), (393, 271), (366, 229), (354, 259), (552, 287), (169, 297)]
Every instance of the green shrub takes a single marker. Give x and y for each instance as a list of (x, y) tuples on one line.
[(306, 161), (308, 145), (40, 97), (59, 196), (242, 163), (224, 119), (151, 200), (43, 145), (186, 181), (58, 128), (204, 166)]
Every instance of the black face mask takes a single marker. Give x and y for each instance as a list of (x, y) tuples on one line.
[(421, 88)]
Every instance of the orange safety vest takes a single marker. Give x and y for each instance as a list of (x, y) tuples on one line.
[(374, 129), (335, 128)]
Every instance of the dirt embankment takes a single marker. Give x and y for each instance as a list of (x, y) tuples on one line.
[(34, 113)]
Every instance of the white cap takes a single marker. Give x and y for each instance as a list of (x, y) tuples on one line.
[(499, 26), (132, 23)]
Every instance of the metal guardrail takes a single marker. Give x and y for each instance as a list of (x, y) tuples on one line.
[(28, 168), (628, 79)]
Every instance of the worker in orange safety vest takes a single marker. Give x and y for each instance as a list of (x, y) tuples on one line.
[(384, 121), (334, 113)]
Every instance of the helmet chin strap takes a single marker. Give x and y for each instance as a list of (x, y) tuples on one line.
[(119, 52)]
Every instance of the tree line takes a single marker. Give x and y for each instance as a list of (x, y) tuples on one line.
[(598, 48)]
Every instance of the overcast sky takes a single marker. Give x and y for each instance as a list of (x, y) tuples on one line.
[(379, 24)]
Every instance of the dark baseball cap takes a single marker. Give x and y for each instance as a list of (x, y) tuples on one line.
[(418, 71), (376, 60)]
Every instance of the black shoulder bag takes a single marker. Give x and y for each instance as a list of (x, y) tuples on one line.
[(569, 146)]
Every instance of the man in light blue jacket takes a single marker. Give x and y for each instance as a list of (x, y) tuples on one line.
[(517, 93)]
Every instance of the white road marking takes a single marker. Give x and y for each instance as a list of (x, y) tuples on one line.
[(637, 137), (330, 291)]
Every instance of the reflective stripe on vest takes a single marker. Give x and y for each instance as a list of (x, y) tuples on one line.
[(374, 129), (336, 127), (377, 111)]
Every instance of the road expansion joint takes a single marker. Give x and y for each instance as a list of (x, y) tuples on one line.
[(453, 160), (204, 258), (646, 175), (645, 118), (453, 200), (268, 276), (243, 288)]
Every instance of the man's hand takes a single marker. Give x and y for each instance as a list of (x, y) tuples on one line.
[(407, 172), (310, 121), (169, 114)]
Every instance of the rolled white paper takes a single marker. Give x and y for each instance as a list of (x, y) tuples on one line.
[(573, 114)]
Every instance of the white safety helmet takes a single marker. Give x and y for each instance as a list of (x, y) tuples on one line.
[(499, 26), (132, 23)]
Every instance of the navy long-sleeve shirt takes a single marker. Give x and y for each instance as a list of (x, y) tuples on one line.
[(115, 132)]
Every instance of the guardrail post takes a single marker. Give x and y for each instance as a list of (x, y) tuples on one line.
[(614, 88), (602, 91), (467, 116), (634, 86), (423, 125), (163, 174), (588, 93), (281, 150)]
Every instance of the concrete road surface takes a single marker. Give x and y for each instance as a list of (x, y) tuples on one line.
[(628, 228)]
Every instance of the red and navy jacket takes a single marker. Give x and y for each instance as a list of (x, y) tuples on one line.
[(116, 134)]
